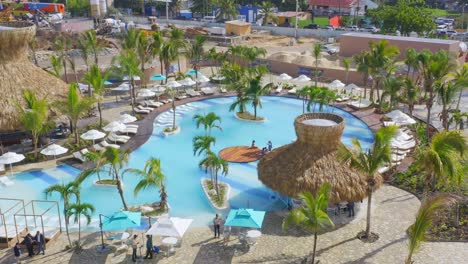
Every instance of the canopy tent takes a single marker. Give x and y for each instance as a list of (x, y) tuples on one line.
[(10, 158), (114, 126), (126, 118), (54, 150), (187, 82), (336, 85), (245, 218), (158, 77), (400, 118), (302, 78), (173, 84), (171, 227), (284, 77), (93, 134)]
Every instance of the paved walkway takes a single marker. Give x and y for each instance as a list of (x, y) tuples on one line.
[(393, 212)]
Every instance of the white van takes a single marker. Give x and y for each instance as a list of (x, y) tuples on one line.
[(210, 19)]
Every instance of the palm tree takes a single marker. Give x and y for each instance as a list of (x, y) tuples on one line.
[(212, 55), (33, 48), (411, 61), (255, 90), (177, 40), (446, 94), (74, 108), (202, 144), (85, 49), (195, 53), (381, 55), (227, 9), (129, 66), (460, 77), (96, 79), (175, 7), (410, 94), (268, 14), (369, 161), (66, 192), (441, 159), (347, 65), (144, 50), (392, 87), (94, 44), (62, 46), (156, 47), (362, 62), (167, 55), (316, 53), (152, 177), (56, 66), (424, 219), (77, 210), (130, 39), (172, 94), (208, 121), (215, 164), (35, 118), (117, 159), (459, 118), (313, 215), (251, 54)]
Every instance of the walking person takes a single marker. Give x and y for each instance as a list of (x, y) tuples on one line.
[(270, 145), (17, 251), (253, 144), (29, 244), (217, 225), (40, 242), (149, 247), (134, 248), (350, 209)]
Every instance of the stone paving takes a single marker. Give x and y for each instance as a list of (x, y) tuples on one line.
[(393, 211)]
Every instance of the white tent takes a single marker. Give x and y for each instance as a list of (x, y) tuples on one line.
[(336, 85), (284, 77), (54, 150), (400, 118), (302, 78), (171, 227)]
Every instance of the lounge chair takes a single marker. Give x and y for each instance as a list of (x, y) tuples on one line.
[(153, 104), (79, 156), (118, 139), (360, 104), (144, 108), (207, 91), (279, 89), (106, 144), (222, 90), (192, 93), (403, 145), (167, 101), (292, 91), (5, 181), (181, 97), (129, 130), (342, 98), (98, 147), (132, 126)]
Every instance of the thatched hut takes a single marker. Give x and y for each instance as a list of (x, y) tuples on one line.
[(311, 161), (17, 73)]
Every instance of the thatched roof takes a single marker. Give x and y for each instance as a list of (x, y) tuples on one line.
[(17, 73), (311, 161)]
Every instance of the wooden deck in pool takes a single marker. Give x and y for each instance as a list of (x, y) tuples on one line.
[(240, 154)]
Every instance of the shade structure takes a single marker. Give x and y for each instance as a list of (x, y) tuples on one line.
[(202, 79), (310, 161), (218, 77), (93, 134), (302, 78), (187, 82), (135, 78), (193, 72), (245, 218), (158, 77), (284, 77), (18, 74), (54, 150), (400, 118), (158, 89), (126, 118), (121, 221), (173, 84), (11, 157), (336, 85), (172, 227), (114, 126), (123, 87), (146, 93), (107, 83)]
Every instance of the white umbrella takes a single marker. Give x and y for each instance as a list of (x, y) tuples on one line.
[(173, 84), (218, 78), (400, 118), (54, 150), (93, 134), (284, 77), (123, 87), (126, 118), (114, 126), (187, 81), (336, 85), (10, 158), (146, 93), (202, 79), (135, 78), (157, 89), (171, 227), (302, 78)]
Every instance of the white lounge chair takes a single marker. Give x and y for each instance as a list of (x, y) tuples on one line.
[(79, 156), (167, 101), (207, 91), (157, 104), (360, 104), (342, 98), (181, 97), (5, 181), (144, 108), (192, 93), (403, 145), (292, 91), (98, 147), (151, 104), (132, 126), (223, 90), (140, 110), (129, 130), (118, 139), (279, 89), (106, 144)]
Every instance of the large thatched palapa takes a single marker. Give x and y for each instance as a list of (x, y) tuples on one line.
[(17, 73), (311, 161)]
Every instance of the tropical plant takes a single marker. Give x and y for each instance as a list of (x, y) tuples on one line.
[(208, 121), (56, 66), (313, 215), (411, 61), (152, 177), (172, 94), (410, 94), (227, 9), (460, 79), (267, 13), (347, 65), (85, 49), (116, 159), (177, 40), (167, 55), (251, 54), (96, 79), (369, 161), (202, 144), (129, 40), (94, 44), (255, 91), (446, 94), (33, 47), (317, 49), (35, 117), (195, 53), (424, 219), (214, 164), (74, 108), (156, 47), (144, 50), (440, 161), (62, 45), (363, 64), (66, 192), (459, 118), (78, 210), (392, 87), (129, 66)]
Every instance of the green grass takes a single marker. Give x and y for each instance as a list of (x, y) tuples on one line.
[(107, 181), (321, 21), (248, 116), (214, 197)]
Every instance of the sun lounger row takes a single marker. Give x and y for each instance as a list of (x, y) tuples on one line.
[(401, 145), (6, 181), (207, 91), (360, 104), (143, 110), (81, 155)]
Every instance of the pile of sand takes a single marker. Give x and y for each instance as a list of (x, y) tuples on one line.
[(305, 58), (283, 56)]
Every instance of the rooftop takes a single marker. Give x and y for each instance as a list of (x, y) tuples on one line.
[(290, 14), (333, 3)]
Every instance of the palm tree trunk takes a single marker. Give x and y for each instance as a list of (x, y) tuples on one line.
[(35, 139), (100, 114), (75, 132), (255, 112), (119, 188), (196, 77), (162, 66), (369, 201), (316, 72), (65, 70), (444, 116), (79, 231), (133, 95), (173, 114), (217, 186), (315, 248), (408, 259), (66, 222), (459, 99), (428, 117)]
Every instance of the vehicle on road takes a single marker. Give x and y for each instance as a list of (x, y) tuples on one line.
[(370, 29), (330, 49), (352, 28), (312, 26)]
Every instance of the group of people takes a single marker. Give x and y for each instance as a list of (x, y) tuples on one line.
[(29, 240), (266, 149), (150, 249)]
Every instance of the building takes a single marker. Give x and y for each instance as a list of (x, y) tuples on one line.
[(238, 27), (286, 17), (341, 7)]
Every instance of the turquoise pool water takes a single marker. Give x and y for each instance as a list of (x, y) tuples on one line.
[(186, 197)]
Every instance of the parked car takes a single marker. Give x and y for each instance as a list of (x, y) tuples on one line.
[(329, 27), (352, 28), (450, 33), (370, 29), (441, 28), (312, 26), (330, 49), (210, 19)]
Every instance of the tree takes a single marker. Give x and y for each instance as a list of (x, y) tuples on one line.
[(172, 94), (208, 121), (255, 91), (156, 47), (214, 164), (129, 40), (381, 56), (177, 40), (227, 9), (152, 177), (94, 44), (459, 118), (129, 66), (33, 48), (85, 49), (267, 13), (167, 55), (62, 47), (411, 61), (446, 94), (202, 144), (392, 87), (460, 79), (117, 159), (195, 53), (35, 117), (251, 54), (424, 218), (78, 210), (410, 94), (369, 161), (144, 50), (316, 53), (74, 108), (441, 159), (201, 6), (175, 7), (313, 215), (66, 192), (56, 66), (347, 65), (363, 64)]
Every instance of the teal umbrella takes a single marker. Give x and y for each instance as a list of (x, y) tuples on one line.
[(118, 221), (158, 77), (245, 218), (107, 83), (193, 73)]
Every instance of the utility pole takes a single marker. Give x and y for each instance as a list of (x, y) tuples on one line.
[(295, 27)]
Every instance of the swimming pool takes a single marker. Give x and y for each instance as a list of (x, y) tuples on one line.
[(186, 197)]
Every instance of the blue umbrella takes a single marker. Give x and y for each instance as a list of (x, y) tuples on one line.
[(193, 73), (245, 218), (118, 221), (158, 77), (107, 83)]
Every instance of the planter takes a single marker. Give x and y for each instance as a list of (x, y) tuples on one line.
[(104, 184), (250, 120), (176, 131), (225, 205)]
